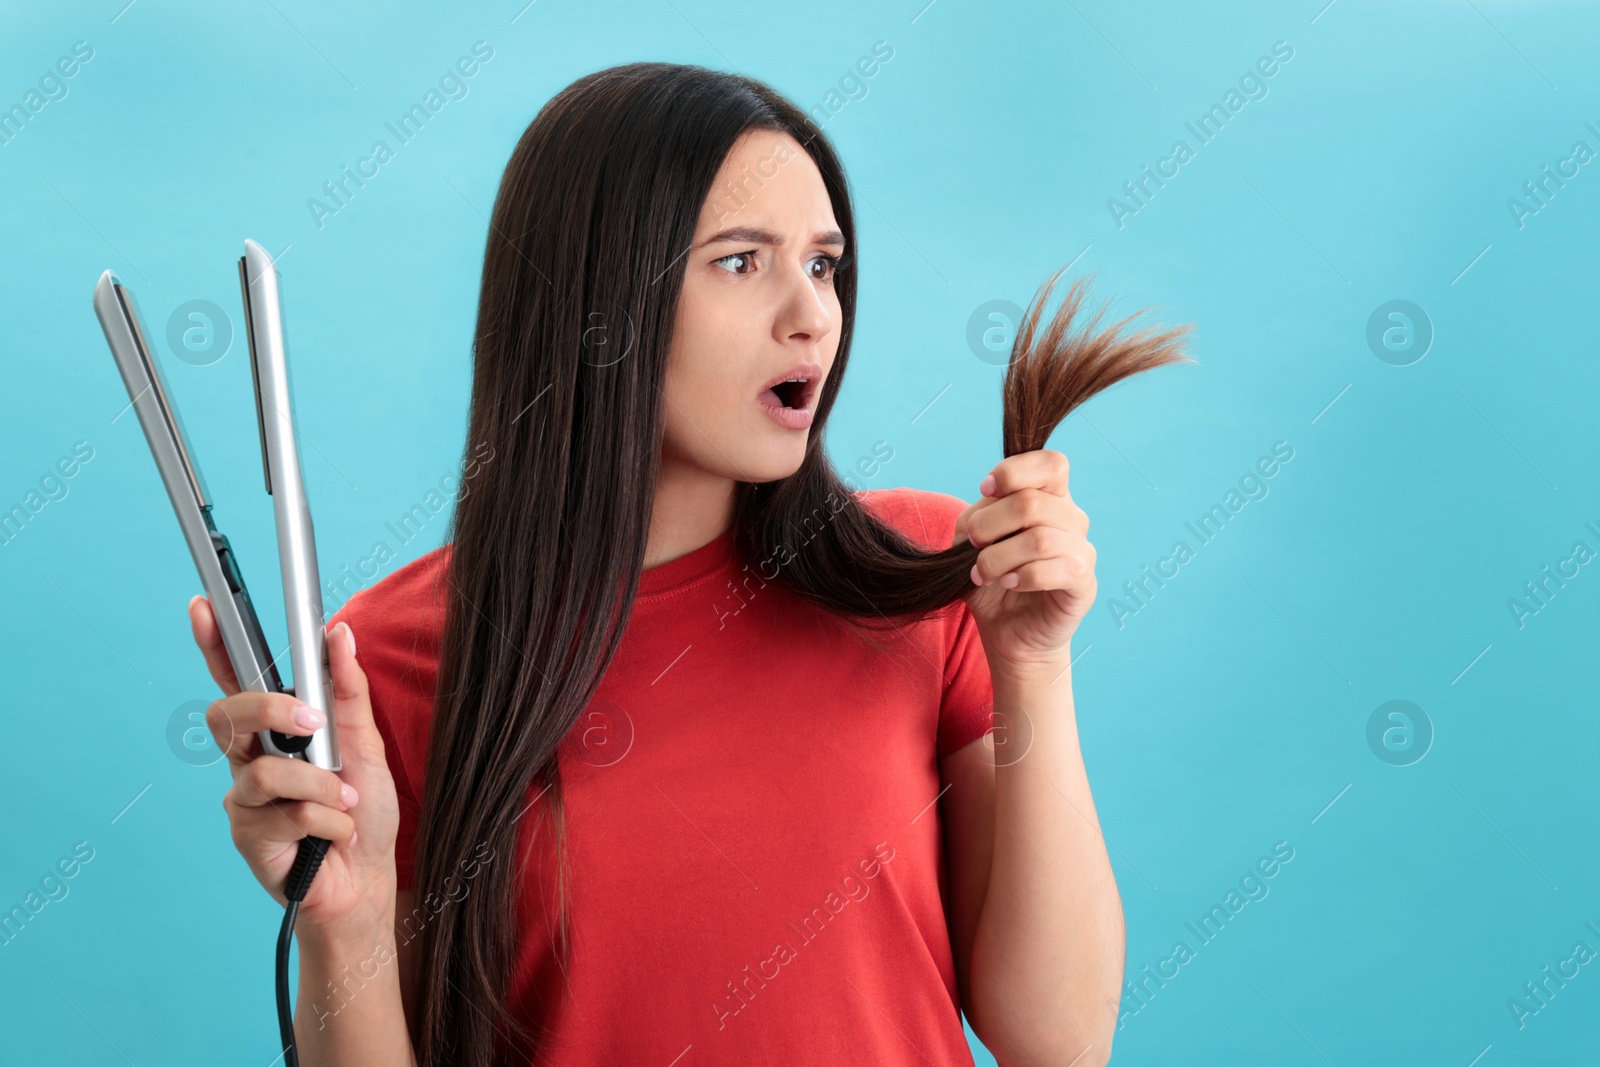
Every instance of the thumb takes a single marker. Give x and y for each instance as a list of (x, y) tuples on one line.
[(352, 703), (965, 518)]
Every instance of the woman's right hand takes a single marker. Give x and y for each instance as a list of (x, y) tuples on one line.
[(275, 802)]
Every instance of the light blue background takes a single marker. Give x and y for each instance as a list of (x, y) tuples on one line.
[(1227, 715)]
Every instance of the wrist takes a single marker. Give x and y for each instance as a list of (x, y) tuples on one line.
[(1005, 658), (323, 959), (1046, 668), (356, 934)]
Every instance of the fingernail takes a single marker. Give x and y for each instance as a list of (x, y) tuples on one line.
[(352, 842), (308, 716), (977, 579), (1011, 580), (348, 794), (986, 487), (350, 635)]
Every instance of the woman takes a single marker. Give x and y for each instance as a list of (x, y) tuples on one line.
[(674, 754)]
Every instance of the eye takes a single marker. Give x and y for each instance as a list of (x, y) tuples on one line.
[(833, 262), (735, 255)]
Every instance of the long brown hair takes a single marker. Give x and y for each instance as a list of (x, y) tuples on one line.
[(596, 207)]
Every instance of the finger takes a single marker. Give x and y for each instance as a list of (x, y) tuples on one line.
[(1043, 468), (273, 778), (1063, 574), (352, 702), (966, 517), (1038, 544), (203, 622), (235, 721), (267, 831), (1022, 509)]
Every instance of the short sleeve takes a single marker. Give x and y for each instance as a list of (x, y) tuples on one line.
[(966, 711), (376, 657)]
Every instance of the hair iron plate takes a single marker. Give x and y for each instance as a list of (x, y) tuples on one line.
[(242, 638)]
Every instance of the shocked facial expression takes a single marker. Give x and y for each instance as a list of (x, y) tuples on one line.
[(758, 319)]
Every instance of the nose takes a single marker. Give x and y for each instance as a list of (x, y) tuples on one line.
[(805, 312)]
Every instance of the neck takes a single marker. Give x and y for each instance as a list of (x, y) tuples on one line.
[(692, 508)]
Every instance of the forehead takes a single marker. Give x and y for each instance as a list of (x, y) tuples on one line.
[(767, 178)]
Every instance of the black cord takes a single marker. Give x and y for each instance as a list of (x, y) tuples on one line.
[(306, 862)]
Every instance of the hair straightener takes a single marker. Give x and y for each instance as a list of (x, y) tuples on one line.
[(253, 664)]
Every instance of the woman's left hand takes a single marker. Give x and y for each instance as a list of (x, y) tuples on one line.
[(1035, 572)]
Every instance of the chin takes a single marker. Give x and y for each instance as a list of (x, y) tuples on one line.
[(774, 461)]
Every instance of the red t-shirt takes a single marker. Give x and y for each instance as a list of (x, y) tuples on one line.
[(756, 855)]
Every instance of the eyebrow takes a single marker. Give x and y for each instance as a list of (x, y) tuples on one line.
[(767, 237)]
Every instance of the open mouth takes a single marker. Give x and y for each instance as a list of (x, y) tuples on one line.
[(793, 393), (795, 389)]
